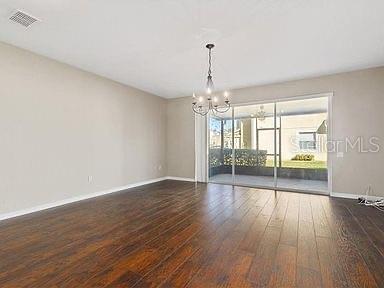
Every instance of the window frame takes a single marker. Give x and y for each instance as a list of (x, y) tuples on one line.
[(309, 145)]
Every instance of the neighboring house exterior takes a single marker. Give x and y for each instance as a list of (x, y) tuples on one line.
[(298, 135)]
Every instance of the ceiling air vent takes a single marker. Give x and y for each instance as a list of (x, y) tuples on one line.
[(23, 18)]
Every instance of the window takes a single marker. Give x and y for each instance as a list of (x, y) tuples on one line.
[(307, 140)]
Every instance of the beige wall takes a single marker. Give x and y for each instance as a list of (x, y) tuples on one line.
[(358, 102), (59, 125), (180, 138)]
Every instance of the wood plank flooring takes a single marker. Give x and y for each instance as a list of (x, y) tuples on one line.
[(180, 234)]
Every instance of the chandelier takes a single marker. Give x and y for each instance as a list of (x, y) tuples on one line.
[(260, 115), (210, 102)]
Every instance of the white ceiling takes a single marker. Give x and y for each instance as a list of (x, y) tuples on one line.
[(158, 45)]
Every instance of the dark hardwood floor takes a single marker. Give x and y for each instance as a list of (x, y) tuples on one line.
[(178, 234)]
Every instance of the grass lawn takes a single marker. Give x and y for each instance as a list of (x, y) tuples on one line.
[(299, 164)]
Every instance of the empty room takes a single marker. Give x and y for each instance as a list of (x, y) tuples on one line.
[(191, 143)]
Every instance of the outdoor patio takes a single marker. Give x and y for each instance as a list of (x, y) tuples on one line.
[(268, 181)]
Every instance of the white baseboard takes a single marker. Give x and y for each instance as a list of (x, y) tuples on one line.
[(180, 179), (77, 198), (354, 196)]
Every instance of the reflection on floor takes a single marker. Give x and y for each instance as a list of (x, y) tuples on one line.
[(308, 185)]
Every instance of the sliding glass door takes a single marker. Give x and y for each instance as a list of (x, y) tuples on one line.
[(220, 150), (279, 145), (254, 145), (303, 144)]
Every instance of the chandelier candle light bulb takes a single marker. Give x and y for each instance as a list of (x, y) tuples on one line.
[(194, 98)]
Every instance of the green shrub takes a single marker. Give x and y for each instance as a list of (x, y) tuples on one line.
[(303, 157), (243, 157)]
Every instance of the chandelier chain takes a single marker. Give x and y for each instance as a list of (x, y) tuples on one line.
[(210, 62)]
